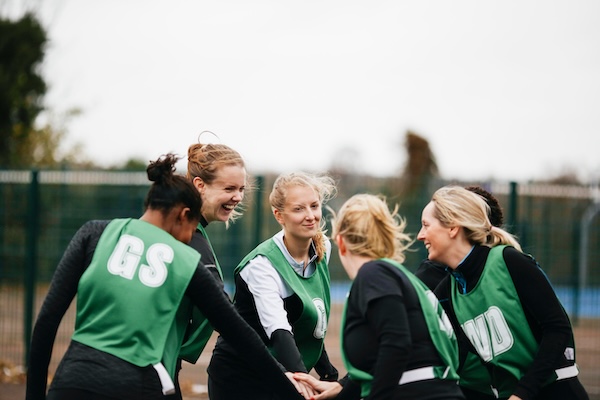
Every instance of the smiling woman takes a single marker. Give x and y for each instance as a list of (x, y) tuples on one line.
[(218, 172), (494, 290), (282, 286)]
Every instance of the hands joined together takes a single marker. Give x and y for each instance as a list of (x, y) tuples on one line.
[(313, 389)]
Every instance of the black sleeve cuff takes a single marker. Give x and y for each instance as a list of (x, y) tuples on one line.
[(326, 371)]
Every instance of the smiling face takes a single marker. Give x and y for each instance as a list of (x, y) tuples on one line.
[(435, 236), (302, 212), (223, 194)]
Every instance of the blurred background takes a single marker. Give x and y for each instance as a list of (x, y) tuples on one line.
[(390, 98)]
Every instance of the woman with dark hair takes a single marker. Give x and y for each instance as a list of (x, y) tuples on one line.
[(136, 281)]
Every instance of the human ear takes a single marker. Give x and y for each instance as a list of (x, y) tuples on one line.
[(198, 183), (454, 231), (341, 244), (278, 216), (184, 214)]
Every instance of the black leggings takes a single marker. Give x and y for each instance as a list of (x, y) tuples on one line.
[(571, 389), (75, 394), (231, 391), (475, 395)]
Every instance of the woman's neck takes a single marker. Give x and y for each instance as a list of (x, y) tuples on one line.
[(459, 254), (298, 248), (156, 218)]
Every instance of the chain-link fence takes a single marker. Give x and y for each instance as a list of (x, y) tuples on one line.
[(41, 210)]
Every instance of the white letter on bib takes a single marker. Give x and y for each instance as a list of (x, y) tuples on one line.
[(489, 333), (500, 335), (476, 331), (155, 273), (125, 257), (321, 327)]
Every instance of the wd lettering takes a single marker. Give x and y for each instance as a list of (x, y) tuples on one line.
[(489, 333)]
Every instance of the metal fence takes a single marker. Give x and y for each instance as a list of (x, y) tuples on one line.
[(41, 210)]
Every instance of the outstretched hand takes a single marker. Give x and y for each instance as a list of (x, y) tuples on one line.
[(323, 389), (303, 388)]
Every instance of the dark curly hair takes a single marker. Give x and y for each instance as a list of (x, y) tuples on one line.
[(496, 214), (169, 189)]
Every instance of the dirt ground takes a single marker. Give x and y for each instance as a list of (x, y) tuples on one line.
[(193, 378)]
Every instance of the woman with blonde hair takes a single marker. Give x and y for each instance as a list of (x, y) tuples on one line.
[(474, 380), (501, 300), (282, 290), (396, 340)]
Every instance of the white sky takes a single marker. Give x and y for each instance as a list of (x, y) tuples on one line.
[(504, 89)]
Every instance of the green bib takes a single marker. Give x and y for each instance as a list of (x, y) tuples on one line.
[(440, 330), (128, 299), (474, 375), (200, 329), (310, 328), (492, 317)]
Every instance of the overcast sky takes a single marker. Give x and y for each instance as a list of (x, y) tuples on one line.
[(506, 89)]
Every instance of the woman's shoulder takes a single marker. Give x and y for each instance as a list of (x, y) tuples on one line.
[(259, 265), (512, 255), (202, 246), (379, 278), (379, 267), (93, 228), (97, 223), (520, 263)]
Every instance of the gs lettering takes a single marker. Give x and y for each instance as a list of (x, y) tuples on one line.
[(126, 258)]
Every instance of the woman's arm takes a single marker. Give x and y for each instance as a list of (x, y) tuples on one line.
[(62, 290), (325, 369), (542, 306), (268, 289), (215, 305), (388, 318), (286, 351)]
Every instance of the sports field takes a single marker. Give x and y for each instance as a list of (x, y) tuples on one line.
[(193, 377)]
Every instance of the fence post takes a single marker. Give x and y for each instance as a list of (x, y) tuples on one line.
[(511, 220), (258, 209), (585, 225), (31, 259)]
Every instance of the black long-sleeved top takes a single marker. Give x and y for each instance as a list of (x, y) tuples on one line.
[(431, 273), (547, 319), (118, 378), (386, 334), (202, 246)]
